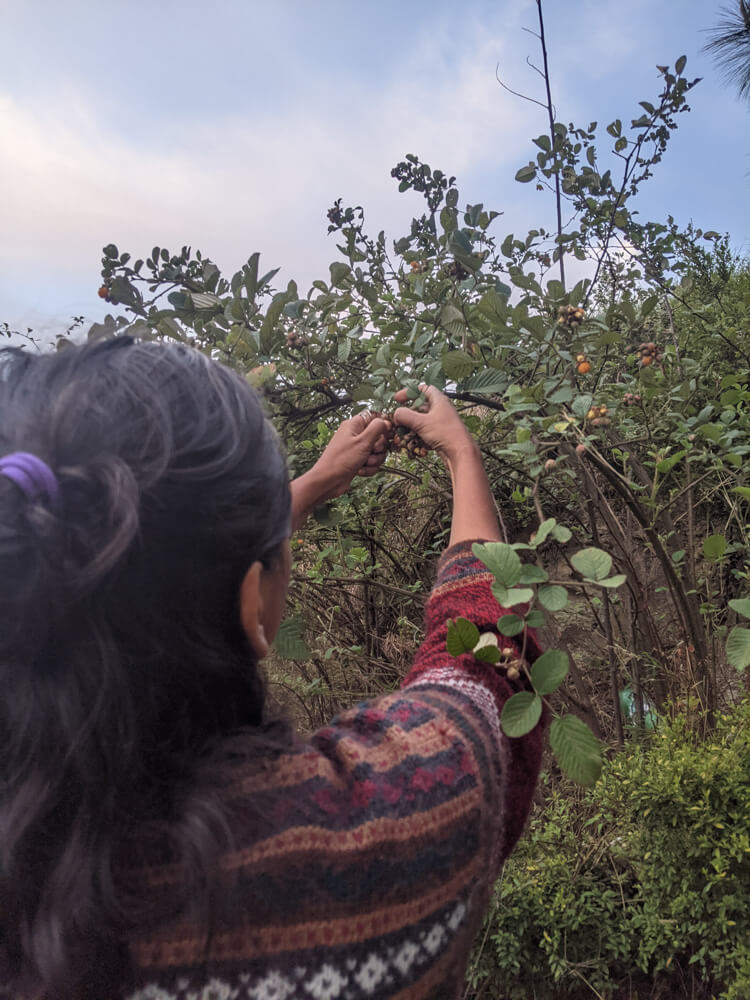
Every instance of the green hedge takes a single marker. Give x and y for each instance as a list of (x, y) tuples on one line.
[(639, 887)]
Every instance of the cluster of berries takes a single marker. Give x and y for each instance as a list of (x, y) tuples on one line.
[(417, 267), (570, 316), (630, 398), (511, 662), (598, 415), (407, 442), (648, 354), (455, 270), (583, 365), (294, 340)]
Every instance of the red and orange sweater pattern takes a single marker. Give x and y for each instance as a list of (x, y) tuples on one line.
[(364, 858)]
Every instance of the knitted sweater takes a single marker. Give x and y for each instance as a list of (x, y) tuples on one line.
[(364, 858)]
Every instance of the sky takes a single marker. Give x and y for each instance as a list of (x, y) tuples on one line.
[(233, 126)]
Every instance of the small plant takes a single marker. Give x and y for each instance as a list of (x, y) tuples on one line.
[(527, 588)]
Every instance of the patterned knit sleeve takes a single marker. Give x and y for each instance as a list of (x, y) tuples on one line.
[(511, 766)]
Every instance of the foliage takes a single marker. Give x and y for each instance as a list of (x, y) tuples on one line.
[(639, 447), (641, 884), (730, 44), (572, 742)]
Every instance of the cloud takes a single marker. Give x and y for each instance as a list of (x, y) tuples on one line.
[(234, 184)]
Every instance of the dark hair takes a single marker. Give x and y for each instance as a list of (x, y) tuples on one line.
[(123, 663)]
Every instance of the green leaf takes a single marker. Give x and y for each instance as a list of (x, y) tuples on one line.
[(526, 174), (592, 563), (669, 463), (339, 273), (549, 671), (501, 560), (519, 595), (561, 534), (462, 636), (500, 593), (533, 574), (289, 642), (738, 648), (487, 654), (741, 605), (457, 364), (510, 625), (520, 714), (535, 619), (613, 581), (543, 531), (744, 491), (714, 547), (486, 383), (553, 597), (576, 748)]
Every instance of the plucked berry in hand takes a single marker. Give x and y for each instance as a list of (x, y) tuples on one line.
[(407, 442)]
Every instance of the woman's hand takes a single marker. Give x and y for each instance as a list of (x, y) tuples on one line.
[(437, 423), (358, 448)]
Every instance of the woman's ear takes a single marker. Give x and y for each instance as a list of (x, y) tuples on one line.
[(251, 610)]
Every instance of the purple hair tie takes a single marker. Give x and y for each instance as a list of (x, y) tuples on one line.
[(30, 473)]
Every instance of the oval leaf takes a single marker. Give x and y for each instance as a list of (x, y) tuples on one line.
[(520, 595), (549, 671), (613, 581), (535, 619), (592, 564), (553, 597), (714, 547), (487, 654), (738, 648), (520, 714), (576, 748), (510, 625), (544, 529), (533, 574), (741, 606), (462, 636), (501, 560)]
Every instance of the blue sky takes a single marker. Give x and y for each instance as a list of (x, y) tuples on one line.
[(233, 126)]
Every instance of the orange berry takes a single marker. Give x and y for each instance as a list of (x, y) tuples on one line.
[(584, 367), (646, 360), (580, 358), (103, 292)]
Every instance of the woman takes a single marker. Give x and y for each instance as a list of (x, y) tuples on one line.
[(160, 837)]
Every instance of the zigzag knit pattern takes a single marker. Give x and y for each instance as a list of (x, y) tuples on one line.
[(363, 859)]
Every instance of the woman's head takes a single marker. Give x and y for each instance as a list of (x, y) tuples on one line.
[(122, 648)]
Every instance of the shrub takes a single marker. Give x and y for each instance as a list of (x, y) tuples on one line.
[(640, 886)]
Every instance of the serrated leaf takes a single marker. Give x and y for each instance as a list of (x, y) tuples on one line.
[(510, 625), (738, 648), (549, 671), (592, 563), (520, 714), (553, 597), (613, 581), (576, 748), (289, 643), (533, 574), (741, 605), (486, 383), (714, 547), (462, 636), (501, 560), (457, 364)]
